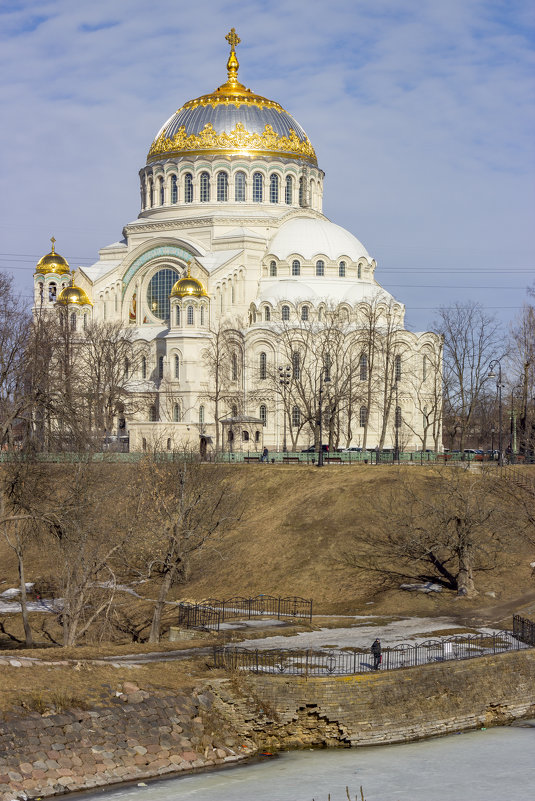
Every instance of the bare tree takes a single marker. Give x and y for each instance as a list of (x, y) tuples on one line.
[(522, 360), (224, 360), (15, 397)]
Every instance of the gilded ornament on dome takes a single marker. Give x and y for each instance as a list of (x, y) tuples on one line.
[(237, 139)]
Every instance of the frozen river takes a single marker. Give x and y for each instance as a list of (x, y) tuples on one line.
[(476, 766)]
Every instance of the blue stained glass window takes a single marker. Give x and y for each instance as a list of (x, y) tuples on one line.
[(158, 292)]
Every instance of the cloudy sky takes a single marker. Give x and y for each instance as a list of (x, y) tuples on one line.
[(421, 113)]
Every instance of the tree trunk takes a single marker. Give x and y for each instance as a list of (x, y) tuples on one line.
[(465, 580), (23, 605), (154, 635)]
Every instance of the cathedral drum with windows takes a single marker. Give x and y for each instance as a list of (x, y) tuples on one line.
[(252, 314)]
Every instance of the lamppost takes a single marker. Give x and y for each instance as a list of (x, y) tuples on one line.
[(492, 374), (284, 381), (323, 379), (397, 422)]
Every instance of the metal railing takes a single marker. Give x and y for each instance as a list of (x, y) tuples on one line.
[(524, 630), (349, 661), (194, 616), (211, 612)]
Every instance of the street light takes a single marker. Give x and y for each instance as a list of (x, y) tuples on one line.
[(397, 423), (499, 385), (324, 378), (284, 381)]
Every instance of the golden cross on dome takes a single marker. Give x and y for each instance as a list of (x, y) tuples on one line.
[(53, 240), (233, 39)]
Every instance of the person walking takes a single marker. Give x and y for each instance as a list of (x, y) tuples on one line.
[(376, 653), (265, 454)]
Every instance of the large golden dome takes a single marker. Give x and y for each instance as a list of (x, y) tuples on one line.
[(52, 263), (73, 295), (188, 287), (232, 121)]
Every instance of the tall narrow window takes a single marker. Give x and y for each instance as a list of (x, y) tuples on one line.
[(285, 313), (205, 187), (273, 268), (222, 186), (177, 315), (363, 367), (176, 413), (296, 267), (161, 188), (296, 416), (190, 315), (151, 193), (397, 368), (267, 314), (398, 416), (144, 444), (234, 367), (296, 365), (424, 368), (160, 367), (302, 191), (342, 269), (152, 414), (143, 367), (174, 190), (52, 290), (273, 188), (320, 267), (85, 321), (234, 411), (304, 313), (263, 365), (177, 366), (359, 271), (201, 415), (363, 416), (258, 187), (73, 321), (327, 362), (168, 443), (239, 187), (202, 315), (188, 188), (263, 414), (289, 193)]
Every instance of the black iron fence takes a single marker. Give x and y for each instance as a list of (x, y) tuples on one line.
[(318, 662), (524, 630), (211, 612)]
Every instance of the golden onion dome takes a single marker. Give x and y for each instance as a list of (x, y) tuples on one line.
[(232, 120), (188, 287), (73, 295), (52, 263)]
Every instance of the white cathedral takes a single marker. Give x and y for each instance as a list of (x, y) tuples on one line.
[(231, 239)]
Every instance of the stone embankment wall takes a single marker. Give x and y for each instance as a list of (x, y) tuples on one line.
[(132, 737), (378, 708)]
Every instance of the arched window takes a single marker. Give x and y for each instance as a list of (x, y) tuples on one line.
[(176, 413), (234, 367), (177, 315), (73, 321), (52, 291), (161, 191), (263, 365), (245, 436), (151, 192), (397, 368), (126, 368), (202, 315), (205, 187), (289, 193), (258, 187), (143, 367), (234, 411), (144, 444), (398, 417), (359, 271), (342, 269), (424, 368), (363, 416), (222, 186), (320, 267), (285, 313), (85, 321), (263, 414), (190, 315), (177, 366), (363, 367), (160, 367), (239, 187), (201, 415), (267, 314), (168, 443), (188, 188), (296, 416), (296, 365), (304, 313), (273, 188), (296, 267), (302, 191), (174, 190), (152, 414), (273, 268)]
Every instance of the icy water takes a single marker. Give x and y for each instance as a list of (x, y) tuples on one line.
[(488, 765)]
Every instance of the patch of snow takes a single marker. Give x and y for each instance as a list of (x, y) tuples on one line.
[(427, 587)]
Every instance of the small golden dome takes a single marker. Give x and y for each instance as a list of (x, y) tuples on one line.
[(73, 295), (52, 263), (188, 287)]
